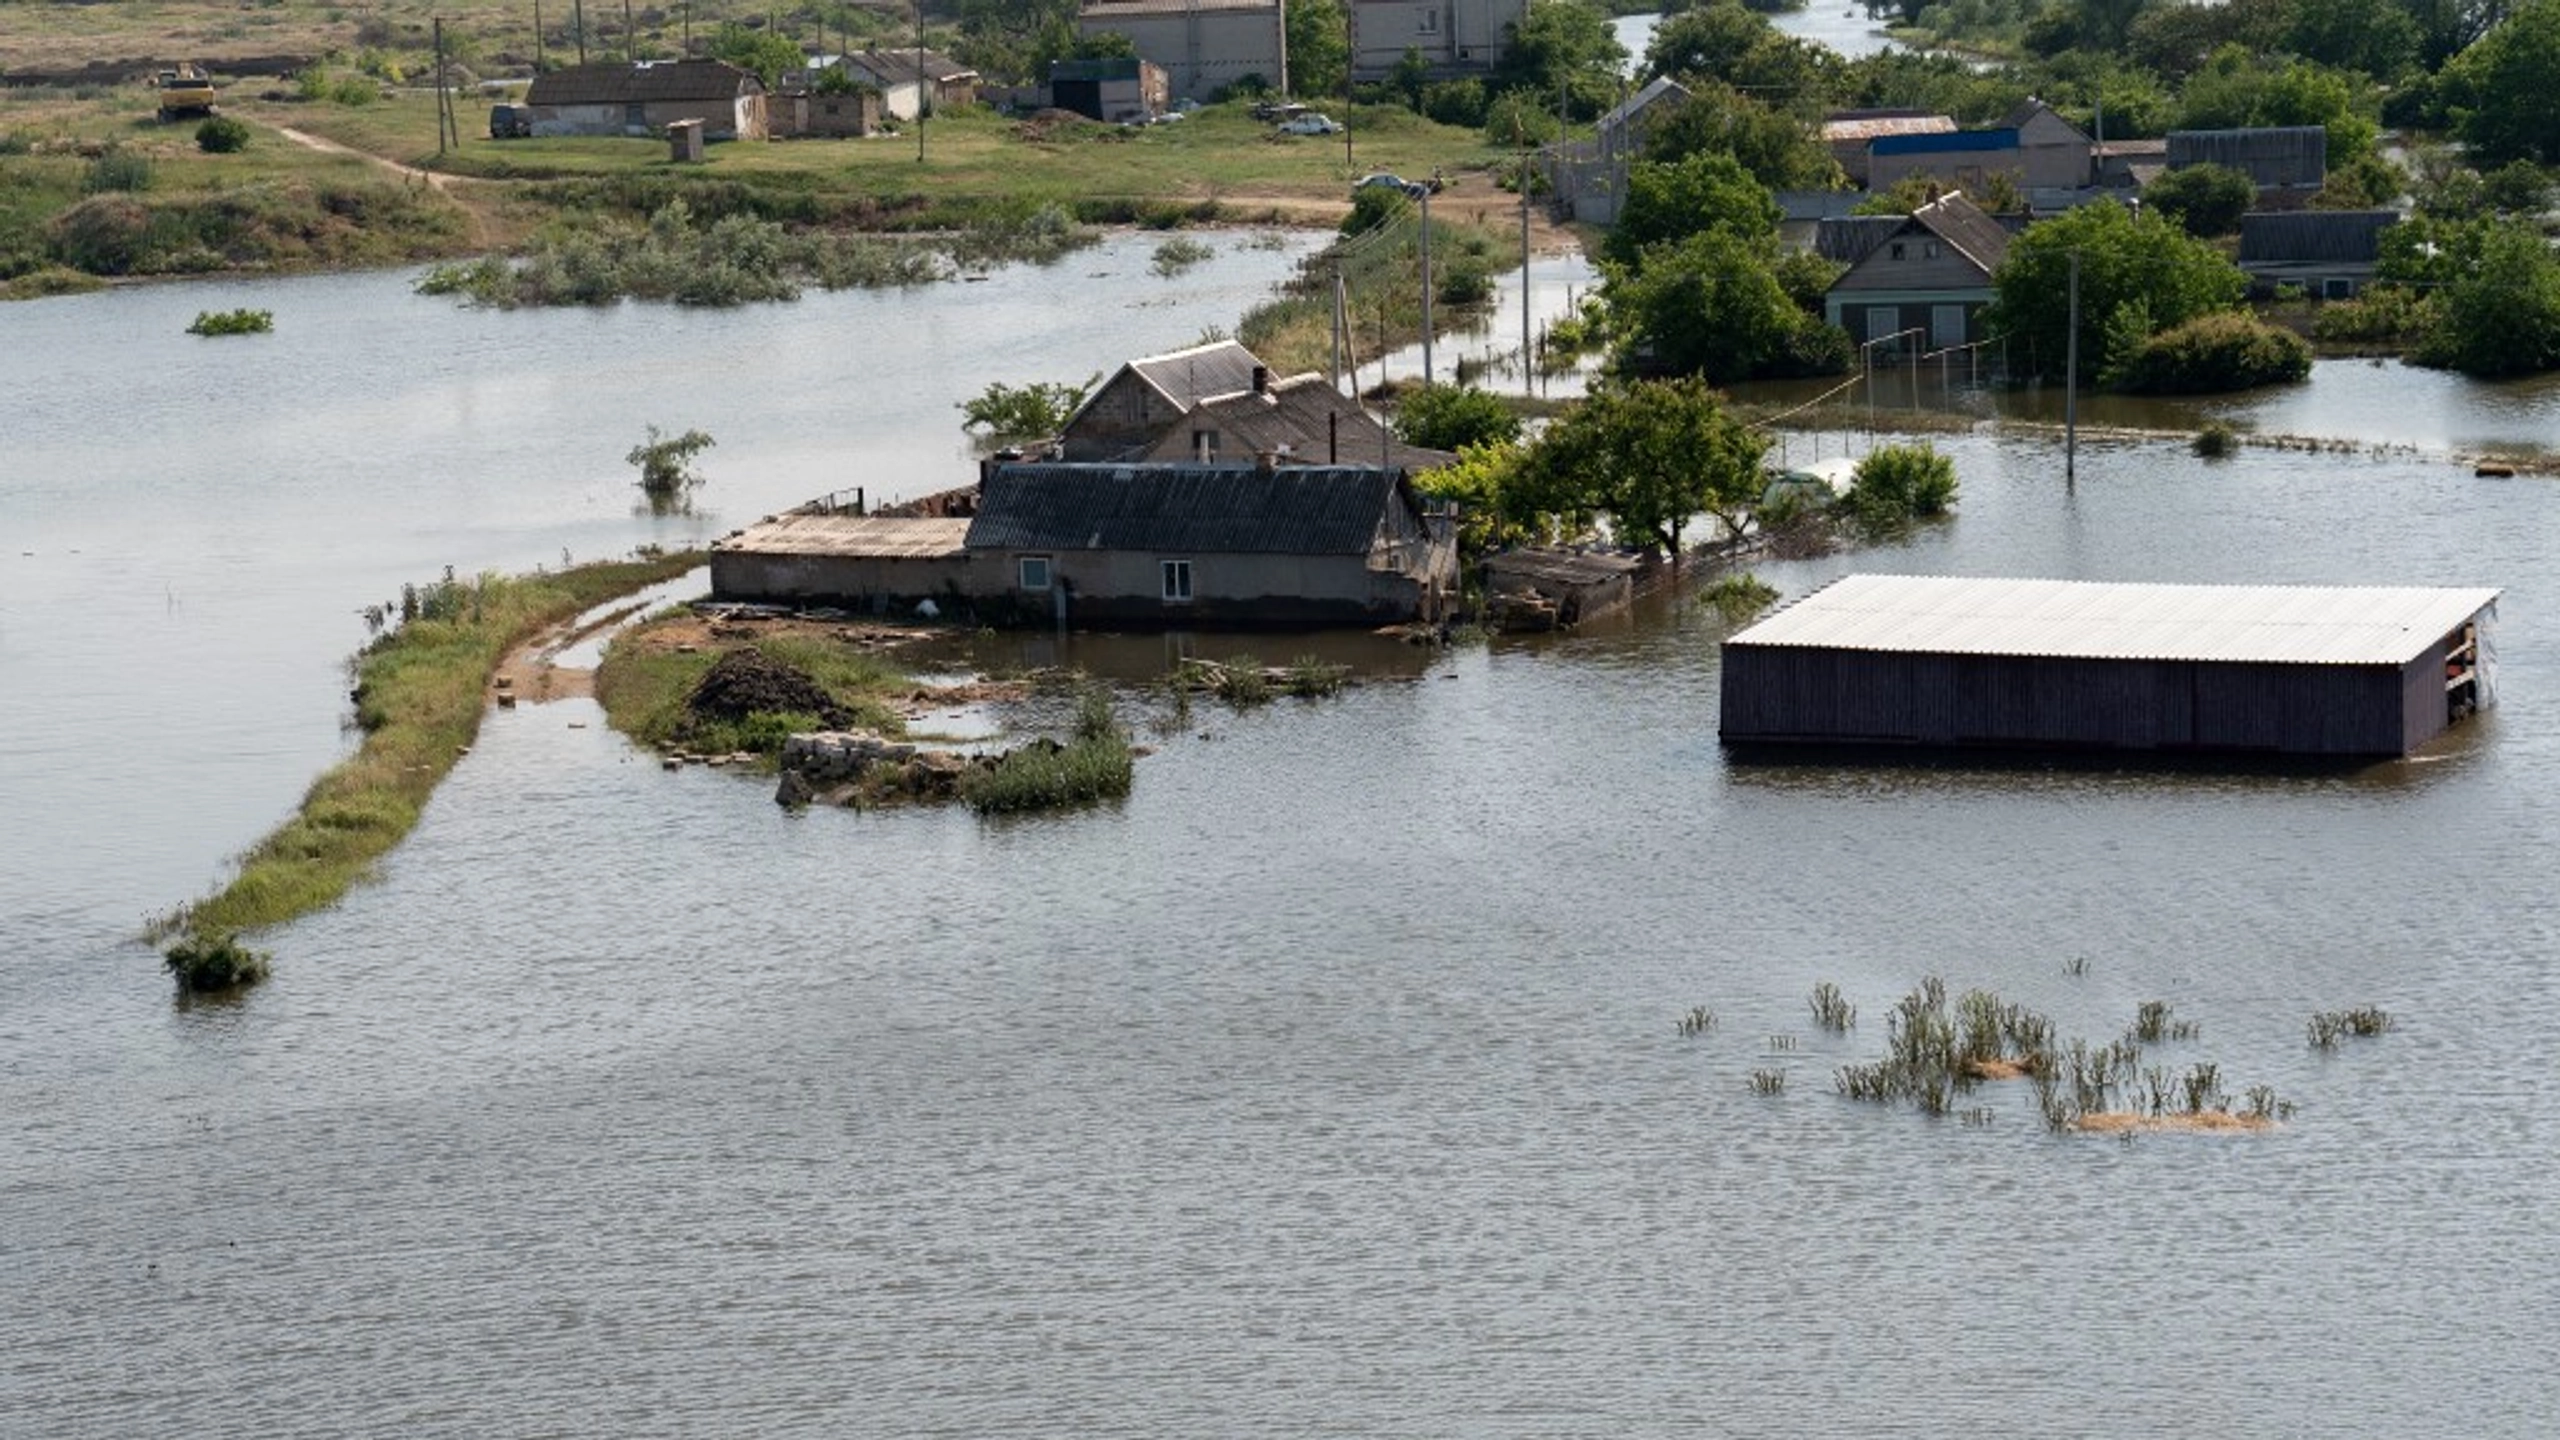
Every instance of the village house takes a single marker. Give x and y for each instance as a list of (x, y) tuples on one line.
[(797, 109), (1204, 46), (644, 99), (1453, 37), (1848, 133), (2332, 254), (912, 80), (2288, 163), (2049, 159), (1922, 284), (1149, 546), (1590, 176), (1302, 419), (1127, 414), (1121, 88)]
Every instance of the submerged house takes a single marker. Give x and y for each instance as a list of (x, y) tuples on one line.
[(1214, 546), (2266, 670), (1921, 282), (644, 99), (1143, 546), (1128, 413), (2333, 254)]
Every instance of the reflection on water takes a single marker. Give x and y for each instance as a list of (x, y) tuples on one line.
[(1328, 1085)]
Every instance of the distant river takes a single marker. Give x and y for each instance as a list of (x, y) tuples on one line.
[(1328, 1086)]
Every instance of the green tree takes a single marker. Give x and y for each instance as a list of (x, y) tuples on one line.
[(761, 51), (1897, 484), (1411, 78), (1319, 38), (1453, 417), (1715, 304), (2500, 90), (2214, 354), (2207, 200), (2238, 88), (2378, 37), (1563, 48), (2502, 315), (1669, 202), (1024, 412), (1494, 512), (665, 463), (1014, 40), (222, 135), (1650, 454), (1779, 150), (2124, 261)]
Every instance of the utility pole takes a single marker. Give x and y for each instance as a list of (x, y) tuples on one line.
[(1528, 362), (628, 54), (2071, 382), (580, 8), (539, 59), (446, 126), (1426, 285), (920, 101), (1336, 374)]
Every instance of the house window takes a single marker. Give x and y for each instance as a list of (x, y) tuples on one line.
[(1204, 446), (1897, 249), (1431, 22), (1177, 582), (1035, 572), (1928, 249)]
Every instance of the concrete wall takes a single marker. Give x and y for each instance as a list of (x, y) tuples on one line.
[(1202, 51), (1126, 588), (738, 119), (875, 584), (1453, 36)]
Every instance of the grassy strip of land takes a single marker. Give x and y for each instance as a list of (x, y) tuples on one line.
[(421, 690), (647, 680)]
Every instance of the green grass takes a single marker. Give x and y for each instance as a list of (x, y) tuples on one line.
[(420, 694)]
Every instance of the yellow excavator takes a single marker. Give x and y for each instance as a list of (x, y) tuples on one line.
[(184, 92)]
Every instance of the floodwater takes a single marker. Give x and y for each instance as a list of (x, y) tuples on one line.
[(1841, 26), (1330, 1084)]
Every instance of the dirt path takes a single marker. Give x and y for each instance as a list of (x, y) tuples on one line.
[(461, 191)]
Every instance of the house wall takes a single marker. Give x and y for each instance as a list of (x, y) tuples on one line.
[(2057, 155), (1803, 694), (821, 116), (1454, 36), (1126, 588), (873, 583), (1966, 170), (1862, 314), (731, 119), (1123, 417), (1202, 51)]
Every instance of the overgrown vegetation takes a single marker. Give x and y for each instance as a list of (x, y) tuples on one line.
[(2328, 1027), (665, 463), (1897, 485), (208, 964), (419, 697), (232, 322), (1737, 597), (656, 694), (1024, 412), (1094, 765)]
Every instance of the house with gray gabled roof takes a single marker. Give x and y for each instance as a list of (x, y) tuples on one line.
[(2332, 254), (2276, 158), (645, 98), (1127, 414), (1187, 546), (1301, 420), (1925, 282)]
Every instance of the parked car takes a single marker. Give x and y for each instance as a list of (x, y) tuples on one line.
[(510, 122), (1311, 123), (1386, 181)]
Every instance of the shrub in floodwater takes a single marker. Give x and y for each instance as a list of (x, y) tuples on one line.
[(2328, 1027), (206, 963), (1768, 1082), (1698, 1021), (1179, 254), (665, 464), (232, 322), (1096, 765), (1738, 597), (2216, 440), (1310, 678), (2152, 1024), (1832, 1010)]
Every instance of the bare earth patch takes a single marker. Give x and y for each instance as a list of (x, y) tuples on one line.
[(531, 673)]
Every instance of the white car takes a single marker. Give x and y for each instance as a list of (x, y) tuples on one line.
[(1310, 124)]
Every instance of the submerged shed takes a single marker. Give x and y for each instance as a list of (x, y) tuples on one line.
[(2030, 664), (814, 556)]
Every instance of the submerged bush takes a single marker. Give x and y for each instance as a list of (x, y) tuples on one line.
[(232, 322), (2216, 440), (1898, 484), (205, 963), (2226, 350), (1097, 764), (1738, 597)]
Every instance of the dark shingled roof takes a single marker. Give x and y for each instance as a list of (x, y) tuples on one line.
[(1967, 227), (658, 81), (2349, 237), (1200, 509)]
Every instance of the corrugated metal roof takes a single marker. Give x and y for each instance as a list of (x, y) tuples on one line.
[(1186, 377), (1201, 509), (1861, 128), (1967, 227), (1098, 11), (863, 537), (650, 81), (2351, 237), (1294, 419), (2079, 619)]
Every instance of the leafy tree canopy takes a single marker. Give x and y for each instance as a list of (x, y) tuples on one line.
[(1779, 150), (2237, 89), (1563, 47), (1453, 417), (2207, 200), (2147, 263), (1707, 190), (1716, 304), (2502, 315), (1319, 46), (1651, 455), (761, 51), (2500, 90)]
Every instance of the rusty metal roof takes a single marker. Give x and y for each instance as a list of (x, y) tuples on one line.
[(1860, 127), (646, 82), (2100, 620), (1201, 509), (863, 537)]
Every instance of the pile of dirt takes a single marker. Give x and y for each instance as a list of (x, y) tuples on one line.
[(746, 681), (1044, 124)]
